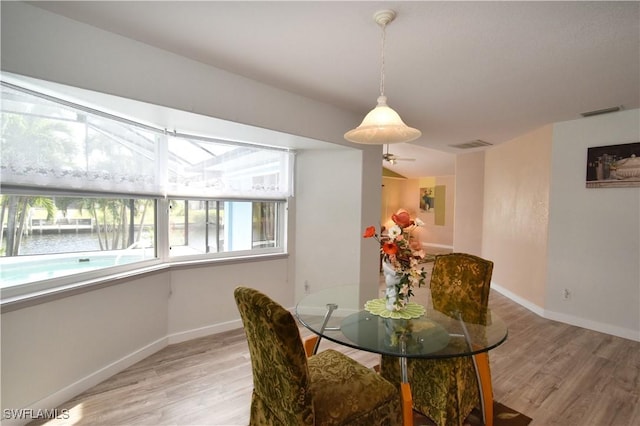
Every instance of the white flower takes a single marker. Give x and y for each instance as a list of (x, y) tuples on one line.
[(418, 222), (394, 232)]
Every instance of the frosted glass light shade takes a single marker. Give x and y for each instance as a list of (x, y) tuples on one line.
[(381, 126)]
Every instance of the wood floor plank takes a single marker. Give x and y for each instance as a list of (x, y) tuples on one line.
[(555, 373)]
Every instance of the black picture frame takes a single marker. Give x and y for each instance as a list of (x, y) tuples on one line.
[(613, 166)]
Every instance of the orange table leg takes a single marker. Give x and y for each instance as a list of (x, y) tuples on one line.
[(309, 343), (407, 404), (482, 365)]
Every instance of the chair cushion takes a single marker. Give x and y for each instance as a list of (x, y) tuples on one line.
[(445, 390), (451, 391), (347, 393)]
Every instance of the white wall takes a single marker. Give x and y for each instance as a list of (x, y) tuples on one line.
[(516, 211), (39, 44), (370, 184), (327, 232), (49, 348), (330, 221), (469, 203), (201, 298), (54, 350), (594, 233), (547, 232)]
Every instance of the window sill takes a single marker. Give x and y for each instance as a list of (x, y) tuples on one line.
[(44, 296)]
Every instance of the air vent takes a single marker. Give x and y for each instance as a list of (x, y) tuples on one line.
[(473, 144), (601, 111)]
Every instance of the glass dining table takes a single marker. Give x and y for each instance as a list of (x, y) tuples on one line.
[(338, 314)]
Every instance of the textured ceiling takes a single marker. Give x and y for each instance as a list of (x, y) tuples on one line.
[(458, 71)]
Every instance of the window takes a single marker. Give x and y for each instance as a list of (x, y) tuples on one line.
[(84, 192), (198, 166), (53, 236), (215, 226)]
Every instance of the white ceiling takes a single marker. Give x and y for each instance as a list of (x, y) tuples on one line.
[(458, 71)]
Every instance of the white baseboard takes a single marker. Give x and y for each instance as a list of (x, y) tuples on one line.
[(519, 300), (79, 386), (569, 319), (183, 336), (444, 246), (625, 333)]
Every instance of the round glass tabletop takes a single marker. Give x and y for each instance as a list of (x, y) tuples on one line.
[(338, 314)]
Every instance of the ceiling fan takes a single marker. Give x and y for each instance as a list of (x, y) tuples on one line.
[(392, 158)]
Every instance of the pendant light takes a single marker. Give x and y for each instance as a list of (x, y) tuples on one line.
[(382, 125)]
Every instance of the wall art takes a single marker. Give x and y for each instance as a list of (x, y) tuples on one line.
[(613, 166)]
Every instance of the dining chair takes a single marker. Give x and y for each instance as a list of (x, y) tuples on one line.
[(447, 390), (289, 388)]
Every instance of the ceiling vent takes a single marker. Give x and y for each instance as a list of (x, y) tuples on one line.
[(601, 111), (473, 144)]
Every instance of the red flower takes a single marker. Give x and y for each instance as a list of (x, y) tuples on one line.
[(390, 248), (369, 232), (402, 219)]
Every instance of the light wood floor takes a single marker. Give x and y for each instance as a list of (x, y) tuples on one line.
[(557, 374)]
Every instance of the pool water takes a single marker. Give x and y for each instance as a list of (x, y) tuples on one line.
[(22, 270)]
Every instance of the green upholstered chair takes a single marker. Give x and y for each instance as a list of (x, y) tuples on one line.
[(446, 390), (290, 389)]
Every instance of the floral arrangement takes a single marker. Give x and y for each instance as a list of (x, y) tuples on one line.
[(403, 253)]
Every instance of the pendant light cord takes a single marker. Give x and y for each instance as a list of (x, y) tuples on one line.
[(382, 125), (384, 26)]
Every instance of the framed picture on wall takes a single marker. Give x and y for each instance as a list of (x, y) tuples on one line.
[(427, 199), (613, 166), (432, 200)]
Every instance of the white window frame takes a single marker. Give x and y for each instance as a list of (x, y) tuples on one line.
[(163, 258)]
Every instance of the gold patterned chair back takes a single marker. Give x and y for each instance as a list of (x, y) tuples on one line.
[(328, 388), (280, 373), (460, 283)]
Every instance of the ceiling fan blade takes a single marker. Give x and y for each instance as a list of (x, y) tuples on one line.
[(392, 158)]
